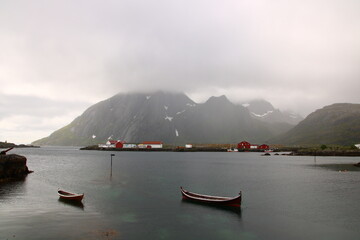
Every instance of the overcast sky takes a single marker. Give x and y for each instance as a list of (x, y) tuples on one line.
[(57, 58)]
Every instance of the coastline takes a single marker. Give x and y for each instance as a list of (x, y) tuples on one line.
[(167, 149), (13, 145), (291, 151)]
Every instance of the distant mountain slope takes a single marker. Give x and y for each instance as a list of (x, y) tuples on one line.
[(161, 116), (218, 121), (264, 111), (334, 124)]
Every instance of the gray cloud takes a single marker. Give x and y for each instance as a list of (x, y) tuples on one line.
[(300, 54), (11, 105), (26, 118)]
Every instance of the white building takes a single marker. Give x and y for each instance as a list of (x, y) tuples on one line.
[(109, 144), (130, 145), (151, 145)]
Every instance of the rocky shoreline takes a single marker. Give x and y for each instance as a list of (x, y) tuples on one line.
[(13, 167)]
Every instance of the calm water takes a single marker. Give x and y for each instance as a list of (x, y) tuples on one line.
[(283, 197)]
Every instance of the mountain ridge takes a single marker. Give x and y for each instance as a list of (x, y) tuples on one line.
[(263, 110), (164, 116), (338, 123)]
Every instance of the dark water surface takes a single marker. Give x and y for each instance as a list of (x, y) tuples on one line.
[(283, 197)]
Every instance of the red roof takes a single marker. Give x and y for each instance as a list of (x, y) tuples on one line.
[(151, 142)]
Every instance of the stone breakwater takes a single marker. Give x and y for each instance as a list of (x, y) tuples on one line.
[(13, 167)]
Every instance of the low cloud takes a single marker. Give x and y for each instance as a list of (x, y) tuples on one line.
[(25, 119), (299, 55)]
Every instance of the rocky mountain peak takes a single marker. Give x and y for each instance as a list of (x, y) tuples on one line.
[(264, 111), (259, 106), (220, 100)]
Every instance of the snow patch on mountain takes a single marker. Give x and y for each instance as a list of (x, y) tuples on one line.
[(262, 115), (166, 107), (176, 132), (180, 112), (245, 105), (168, 118), (191, 105)]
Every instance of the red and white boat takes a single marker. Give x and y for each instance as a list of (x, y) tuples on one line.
[(215, 200), (70, 196)]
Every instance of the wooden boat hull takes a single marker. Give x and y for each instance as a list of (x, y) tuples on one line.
[(213, 200), (70, 196)]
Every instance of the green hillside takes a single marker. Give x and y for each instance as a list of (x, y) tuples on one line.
[(335, 124)]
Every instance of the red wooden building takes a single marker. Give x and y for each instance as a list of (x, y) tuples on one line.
[(264, 147), (115, 144), (244, 145), (247, 145)]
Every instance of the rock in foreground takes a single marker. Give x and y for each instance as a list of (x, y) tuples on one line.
[(13, 167)]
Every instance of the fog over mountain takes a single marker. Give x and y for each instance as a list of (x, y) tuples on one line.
[(163, 116), (263, 110), (60, 57)]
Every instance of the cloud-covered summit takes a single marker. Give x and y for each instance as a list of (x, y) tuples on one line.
[(299, 55)]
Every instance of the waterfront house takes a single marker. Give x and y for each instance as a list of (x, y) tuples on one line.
[(244, 145), (153, 144), (112, 144), (247, 145), (130, 145), (264, 147)]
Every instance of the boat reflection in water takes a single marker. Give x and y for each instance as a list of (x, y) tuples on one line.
[(76, 204), (236, 212)]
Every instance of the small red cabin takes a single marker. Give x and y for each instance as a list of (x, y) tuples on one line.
[(264, 147), (151, 144), (115, 144), (244, 145), (119, 145)]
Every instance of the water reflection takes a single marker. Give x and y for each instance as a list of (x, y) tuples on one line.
[(76, 204), (12, 188), (236, 211)]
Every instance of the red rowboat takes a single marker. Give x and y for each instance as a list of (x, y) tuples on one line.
[(70, 196), (221, 201)]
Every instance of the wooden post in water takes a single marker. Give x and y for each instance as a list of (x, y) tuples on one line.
[(111, 155)]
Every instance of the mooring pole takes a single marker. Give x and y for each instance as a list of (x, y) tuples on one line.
[(111, 155)]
